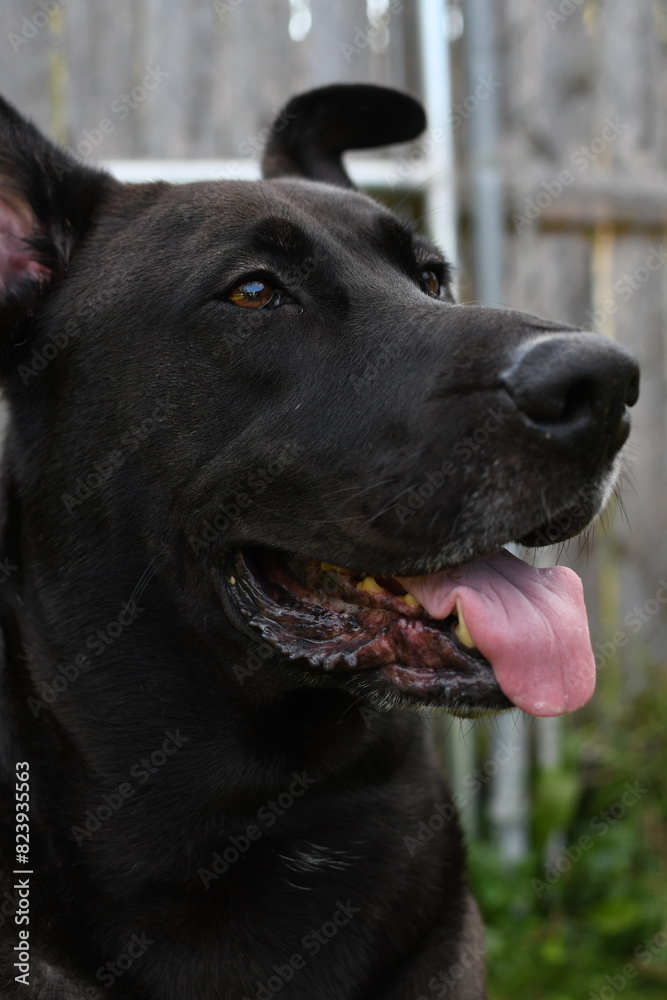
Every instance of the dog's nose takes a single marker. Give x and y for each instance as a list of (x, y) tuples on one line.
[(574, 387)]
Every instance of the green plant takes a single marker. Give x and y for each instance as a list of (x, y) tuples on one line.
[(589, 919)]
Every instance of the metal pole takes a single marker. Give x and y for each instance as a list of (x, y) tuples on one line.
[(486, 197), (440, 188), (508, 806)]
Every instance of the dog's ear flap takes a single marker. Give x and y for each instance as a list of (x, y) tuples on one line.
[(46, 203), (312, 131)]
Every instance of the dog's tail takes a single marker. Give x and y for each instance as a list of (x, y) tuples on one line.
[(312, 131)]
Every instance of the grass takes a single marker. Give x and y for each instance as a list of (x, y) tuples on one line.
[(592, 924)]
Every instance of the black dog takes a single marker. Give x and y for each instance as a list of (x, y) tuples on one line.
[(219, 394)]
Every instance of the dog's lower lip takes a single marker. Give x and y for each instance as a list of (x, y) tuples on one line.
[(319, 620)]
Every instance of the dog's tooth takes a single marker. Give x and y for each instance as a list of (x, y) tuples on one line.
[(370, 584), (408, 599), (461, 628)]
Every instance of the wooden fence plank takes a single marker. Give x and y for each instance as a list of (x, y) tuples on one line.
[(642, 545), (627, 69), (97, 80), (25, 63)]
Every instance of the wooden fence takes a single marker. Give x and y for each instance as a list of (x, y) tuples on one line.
[(585, 152), (228, 63)]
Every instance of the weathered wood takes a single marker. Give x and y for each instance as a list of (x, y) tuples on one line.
[(550, 275), (25, 62), (340, 44), (640, 297), (628, 66), (638, 201), (584, 97), (100, 123)]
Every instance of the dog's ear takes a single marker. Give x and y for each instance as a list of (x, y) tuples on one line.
[(46, 203), (314, 129)]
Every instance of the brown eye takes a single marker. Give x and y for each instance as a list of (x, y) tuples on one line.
[(431, 282), (251, 294)]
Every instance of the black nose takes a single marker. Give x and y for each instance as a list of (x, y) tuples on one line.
[(574, 388)]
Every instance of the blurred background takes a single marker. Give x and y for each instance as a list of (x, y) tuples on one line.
[(543, 176)]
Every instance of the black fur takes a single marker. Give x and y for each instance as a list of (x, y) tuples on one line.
[(145, 410), (316, 128)]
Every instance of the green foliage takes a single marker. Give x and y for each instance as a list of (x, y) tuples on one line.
[(588, 908), (557, 792)]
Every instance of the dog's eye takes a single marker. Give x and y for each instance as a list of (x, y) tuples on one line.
[(431, 283), (253, 294)]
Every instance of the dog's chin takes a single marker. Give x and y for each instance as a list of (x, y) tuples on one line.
[(342, 628)]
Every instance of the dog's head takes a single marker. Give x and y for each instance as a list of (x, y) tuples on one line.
[(265, 393)]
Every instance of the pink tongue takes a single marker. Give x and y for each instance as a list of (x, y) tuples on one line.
[(529, 623)]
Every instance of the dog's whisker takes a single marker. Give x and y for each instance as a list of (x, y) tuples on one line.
[(144, 580), (359, 491), (306, 888), (413, 191), (349, 708), (623, 510), (269, 207), (287, 204), (281, 515)]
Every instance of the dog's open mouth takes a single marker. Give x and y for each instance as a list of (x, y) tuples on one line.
[(479, 637)]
